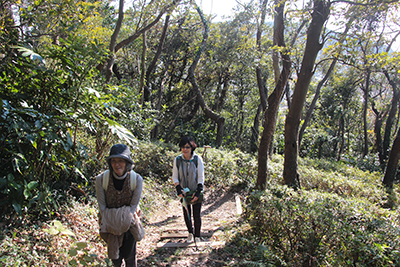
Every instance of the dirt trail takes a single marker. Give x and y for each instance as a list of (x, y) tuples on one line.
[(164, 243)]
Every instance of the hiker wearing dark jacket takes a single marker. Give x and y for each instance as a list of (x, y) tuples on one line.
[(188, 175), (118, 201)]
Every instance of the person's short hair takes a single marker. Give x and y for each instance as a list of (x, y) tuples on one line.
[(187, 140)]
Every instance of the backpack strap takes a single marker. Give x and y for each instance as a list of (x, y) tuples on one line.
[(179, 161), (106, 179), (133, 180)]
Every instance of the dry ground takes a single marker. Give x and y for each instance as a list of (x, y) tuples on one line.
[(219, 212)]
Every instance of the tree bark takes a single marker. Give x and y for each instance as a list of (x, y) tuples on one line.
[(113, 40), (365, 113), (142, 69), (273, 103), (219, 120), (321, 83), (391, 167), (315, 99), (255, 130), (153, 62), (391, 117), (319, 16), (378, 136)]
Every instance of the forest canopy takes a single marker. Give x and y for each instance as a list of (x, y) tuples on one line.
[(317, 79)]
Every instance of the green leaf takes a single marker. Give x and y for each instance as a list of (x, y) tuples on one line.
[(29, 53), (51, 231), (72, 252), (58, 225), (32, 185), (17, 207), (81, 245)]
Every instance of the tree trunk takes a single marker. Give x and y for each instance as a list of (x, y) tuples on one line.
[(115, 47), (255, 130), (225, 86), (153, 62), (207, 111), (142, 89), (391, 167), (113, 40), (315, 99), (260, 81), (341, 137), (320, 84), (378, 136), (273, 103), (365, 114), (154, 131), (319, 16), (275, 54), (391, 116)]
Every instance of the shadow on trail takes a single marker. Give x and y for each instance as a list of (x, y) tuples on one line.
[(227, 196), (164, 222)]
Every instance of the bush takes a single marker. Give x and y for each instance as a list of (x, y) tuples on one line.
[(310, 228)]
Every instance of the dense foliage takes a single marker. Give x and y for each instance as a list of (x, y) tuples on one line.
[(336, 219), (60, 113), (77, 77)]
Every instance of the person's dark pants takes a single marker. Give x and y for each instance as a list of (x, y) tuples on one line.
[(127, 252), (195, 210)]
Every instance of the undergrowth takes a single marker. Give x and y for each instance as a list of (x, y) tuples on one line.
[(336, 218)]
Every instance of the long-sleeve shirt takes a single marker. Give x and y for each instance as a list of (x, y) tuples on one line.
[(185, 176)]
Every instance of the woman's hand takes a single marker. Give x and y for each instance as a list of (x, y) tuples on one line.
[(179, 191)]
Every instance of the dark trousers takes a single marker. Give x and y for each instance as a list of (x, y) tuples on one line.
[(127, 252), (194, 209)]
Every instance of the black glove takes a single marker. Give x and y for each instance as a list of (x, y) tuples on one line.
[(179, 190), (199, 190)]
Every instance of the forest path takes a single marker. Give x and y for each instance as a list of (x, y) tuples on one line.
[(165, 241)]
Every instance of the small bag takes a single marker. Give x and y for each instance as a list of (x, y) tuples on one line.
[(137, 229), (189, 195)]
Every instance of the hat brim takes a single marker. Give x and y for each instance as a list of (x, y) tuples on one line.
[(119, 156)]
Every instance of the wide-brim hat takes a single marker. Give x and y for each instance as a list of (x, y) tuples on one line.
[(120, 151)]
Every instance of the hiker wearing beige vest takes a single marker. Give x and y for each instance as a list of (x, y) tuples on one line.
[(118, 192)]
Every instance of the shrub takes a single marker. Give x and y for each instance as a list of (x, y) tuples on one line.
[(310, 228)]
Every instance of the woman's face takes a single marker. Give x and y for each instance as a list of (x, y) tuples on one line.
[(187, 151), (118, 165)]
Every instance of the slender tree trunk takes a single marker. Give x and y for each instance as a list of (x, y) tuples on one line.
[(260, 81), (152, 64), (154, 131), (207, 111), (393, 162), (275, 54), (319, 16), (321, 83), (114, 47), (273, 103), (391, 117), (142, 69), (287, 94), (255, 130), (113, 40), (315, 99), (341, 137), (378, 136), (365, 113)]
